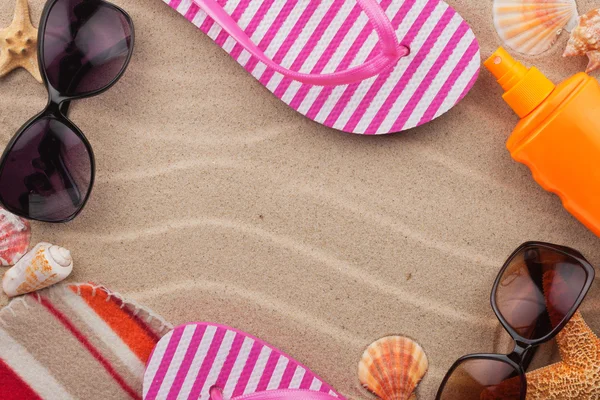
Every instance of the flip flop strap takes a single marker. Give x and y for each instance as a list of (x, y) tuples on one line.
[(281, 394), (391, 52)]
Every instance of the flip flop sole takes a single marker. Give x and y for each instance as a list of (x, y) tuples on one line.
[(192, 358), (333, 35)]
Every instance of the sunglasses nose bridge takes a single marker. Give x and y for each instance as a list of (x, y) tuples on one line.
[(57, 104), (52, 108), (519, 353)]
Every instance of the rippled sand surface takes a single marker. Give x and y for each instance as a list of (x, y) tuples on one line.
[(214, 201)]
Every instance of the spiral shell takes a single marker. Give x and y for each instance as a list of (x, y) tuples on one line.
[(585, 39), (533, 26), (392, 367), (43, 266), (15, 235)]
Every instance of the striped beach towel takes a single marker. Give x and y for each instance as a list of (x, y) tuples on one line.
[(191, 359), (75, 342), (327, 36)]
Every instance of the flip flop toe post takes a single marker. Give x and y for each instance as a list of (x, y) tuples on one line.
[(360, 66), (215, 362)]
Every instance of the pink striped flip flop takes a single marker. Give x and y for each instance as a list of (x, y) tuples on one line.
[(215, 362), (360, 66)]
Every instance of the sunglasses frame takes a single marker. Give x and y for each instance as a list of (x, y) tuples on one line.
[(58, 104), (520, 357)]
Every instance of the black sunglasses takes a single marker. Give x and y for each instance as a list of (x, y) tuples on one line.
[(47, 170), (535, 295)]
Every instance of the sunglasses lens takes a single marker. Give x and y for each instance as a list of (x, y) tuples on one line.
[(483, 379), (86, 45), (539, 290), (47, 173)]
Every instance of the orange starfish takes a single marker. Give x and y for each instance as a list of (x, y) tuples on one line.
[(18, 44), (577, 376)]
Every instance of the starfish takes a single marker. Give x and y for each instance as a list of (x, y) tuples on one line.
[(577, 375), (18, 44)]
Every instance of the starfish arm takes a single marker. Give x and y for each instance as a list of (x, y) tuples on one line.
[(555, 381), (6, 64), (576, 376), (32, 66), (22, 13), (577, 344)]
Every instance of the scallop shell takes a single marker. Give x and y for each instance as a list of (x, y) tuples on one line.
[(392, 367), (15, 235), (43, 266), (533, 26), (585, 39)]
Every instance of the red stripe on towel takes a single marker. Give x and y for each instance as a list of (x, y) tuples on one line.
[(12, 387), (86, 343)]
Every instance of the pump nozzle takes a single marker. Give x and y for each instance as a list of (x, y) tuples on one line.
[(525, 89)]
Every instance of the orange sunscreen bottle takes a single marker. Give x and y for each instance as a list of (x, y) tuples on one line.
[(558, 136)]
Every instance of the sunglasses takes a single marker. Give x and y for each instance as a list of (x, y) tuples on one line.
[(536, 293), (47, 170)]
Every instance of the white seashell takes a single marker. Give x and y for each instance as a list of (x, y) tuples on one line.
[(43, 266), (533, 26)]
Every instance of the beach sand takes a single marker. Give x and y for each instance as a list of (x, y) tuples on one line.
[(216, 202)]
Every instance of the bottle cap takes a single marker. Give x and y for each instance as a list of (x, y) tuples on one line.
[(525, 89)]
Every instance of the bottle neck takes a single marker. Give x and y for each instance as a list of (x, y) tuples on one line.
[(529, 92), (525, 88)]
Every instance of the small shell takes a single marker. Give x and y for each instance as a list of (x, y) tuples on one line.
[(585, 39), (392, 367), (43, 266), (533, 26), (15, 234)]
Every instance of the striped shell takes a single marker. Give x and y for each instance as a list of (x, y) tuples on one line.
[(43, 266), (532, 26), (585, 39), (15, 235), (392, 367)]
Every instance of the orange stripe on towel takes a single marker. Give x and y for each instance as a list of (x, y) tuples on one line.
[(132, 330)]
